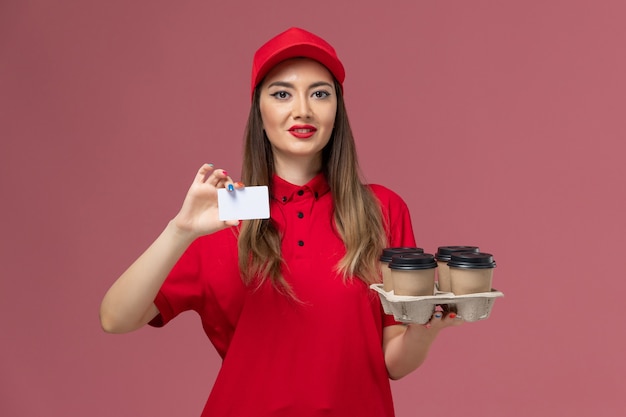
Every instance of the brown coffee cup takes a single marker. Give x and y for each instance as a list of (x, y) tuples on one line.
[(443, 257), (471, 272), (413, 274), (385, 258)]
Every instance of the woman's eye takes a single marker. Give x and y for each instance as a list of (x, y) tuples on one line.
[(281, 95), (321, 94)]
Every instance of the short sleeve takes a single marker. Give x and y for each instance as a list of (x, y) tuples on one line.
[(206, 280), (396, 216)]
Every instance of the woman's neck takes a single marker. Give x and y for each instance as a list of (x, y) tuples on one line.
[(298, 171)]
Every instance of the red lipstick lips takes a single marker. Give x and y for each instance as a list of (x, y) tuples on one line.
[(302, 131)]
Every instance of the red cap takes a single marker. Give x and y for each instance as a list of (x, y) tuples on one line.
[(295, 43)]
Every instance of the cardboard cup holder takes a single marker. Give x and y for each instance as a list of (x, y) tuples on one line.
[(408, 309)]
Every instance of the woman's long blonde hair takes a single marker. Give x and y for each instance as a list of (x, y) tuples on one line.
[(357, 214)]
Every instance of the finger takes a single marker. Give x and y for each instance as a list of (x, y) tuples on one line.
[(203, 172), (234, 186), (453, 319), (219, 178), (436, 319), (227, 181)]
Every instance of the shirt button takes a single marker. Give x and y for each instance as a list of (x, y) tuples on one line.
[(300, 243), (300, 214), (284, 199), (300, 192)]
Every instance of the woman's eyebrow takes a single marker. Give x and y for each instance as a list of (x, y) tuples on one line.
[(290, 85), (280, 84), (321, 84)]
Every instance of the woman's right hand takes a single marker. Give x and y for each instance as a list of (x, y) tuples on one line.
[(129, 303), (199, 213)]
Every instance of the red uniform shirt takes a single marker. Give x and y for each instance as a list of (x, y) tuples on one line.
[(320, 357)]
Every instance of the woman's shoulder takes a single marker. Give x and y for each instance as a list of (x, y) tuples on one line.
[(396, 215), (384, 194), (390, 201)]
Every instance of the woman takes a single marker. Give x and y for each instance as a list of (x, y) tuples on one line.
[(286, 300)]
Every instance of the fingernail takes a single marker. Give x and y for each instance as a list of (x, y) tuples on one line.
[(211, 165), (239, 184), (230, 187), (438, 315), (452, 315), (225, 173)]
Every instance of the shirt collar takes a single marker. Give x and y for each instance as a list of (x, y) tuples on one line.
[(284, 191)]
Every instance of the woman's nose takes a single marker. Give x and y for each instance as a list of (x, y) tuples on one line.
[(301, 108)]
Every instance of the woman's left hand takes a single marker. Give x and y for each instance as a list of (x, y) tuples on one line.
[(440, 320)]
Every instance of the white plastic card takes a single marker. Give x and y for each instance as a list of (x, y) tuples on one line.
[(244, 204)]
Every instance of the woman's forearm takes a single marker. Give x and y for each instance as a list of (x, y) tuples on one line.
[(407, 348), (129, 303)]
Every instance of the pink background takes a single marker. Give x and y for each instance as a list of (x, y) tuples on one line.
[(501, 123)]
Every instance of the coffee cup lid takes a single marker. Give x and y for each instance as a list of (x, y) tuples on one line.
[(444, 252), (413, 261), (472, 260), (389, 252)]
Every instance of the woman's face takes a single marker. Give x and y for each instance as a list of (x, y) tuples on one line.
[(298, 105)]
